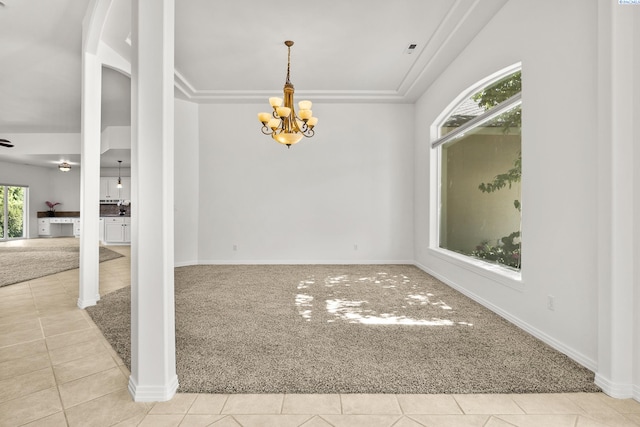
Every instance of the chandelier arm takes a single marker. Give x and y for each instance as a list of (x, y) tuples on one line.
[(304, 127), (265, 130)]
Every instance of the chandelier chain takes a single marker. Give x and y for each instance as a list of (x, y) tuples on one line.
[(288, 64)]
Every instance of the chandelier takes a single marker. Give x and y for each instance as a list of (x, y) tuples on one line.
[(283, 124), (64, 167)]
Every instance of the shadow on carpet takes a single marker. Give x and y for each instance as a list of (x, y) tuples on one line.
[(342, 329), (21, 264)]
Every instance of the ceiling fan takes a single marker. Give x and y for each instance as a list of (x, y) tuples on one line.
[(5, 143)]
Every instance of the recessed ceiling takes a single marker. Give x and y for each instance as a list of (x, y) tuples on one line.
[(345, 51), (41, 63)]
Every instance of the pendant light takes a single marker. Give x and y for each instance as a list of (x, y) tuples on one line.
[(119, 179)]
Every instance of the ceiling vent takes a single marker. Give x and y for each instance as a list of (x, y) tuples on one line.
[(411, 48)]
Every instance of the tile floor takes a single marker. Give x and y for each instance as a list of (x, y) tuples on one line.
[(56, 369)]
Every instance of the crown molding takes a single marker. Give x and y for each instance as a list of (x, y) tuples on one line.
[(437, 54)]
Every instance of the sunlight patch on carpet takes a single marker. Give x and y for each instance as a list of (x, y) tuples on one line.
[(400, 299)]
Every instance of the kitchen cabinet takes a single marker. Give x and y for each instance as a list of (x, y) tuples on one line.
[(109, 188), (125, 191), (117, 229)]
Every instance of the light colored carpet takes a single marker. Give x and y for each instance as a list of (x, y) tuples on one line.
[(342, 329), (19, 264)]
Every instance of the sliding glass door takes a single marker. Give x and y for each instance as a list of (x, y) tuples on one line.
[(13, 211)]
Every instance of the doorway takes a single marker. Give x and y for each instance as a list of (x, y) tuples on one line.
[(13, 211)]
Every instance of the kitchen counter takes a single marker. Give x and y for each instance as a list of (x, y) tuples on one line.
[(58, 214)]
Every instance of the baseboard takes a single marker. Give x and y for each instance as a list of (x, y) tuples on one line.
[(619, 391), (570, 352), (185, 263), (156, 393), (301, 262), (84, 303)]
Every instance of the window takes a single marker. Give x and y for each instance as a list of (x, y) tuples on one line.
[(13, 212), (480, 172)]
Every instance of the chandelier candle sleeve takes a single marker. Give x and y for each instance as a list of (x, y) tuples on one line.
[(283, 124), (283, 112), (304, 105), (275, 101)]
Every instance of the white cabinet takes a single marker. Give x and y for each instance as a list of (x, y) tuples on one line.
[(76, 227), (58, 226), (125, 191), (44, 228), (109, 188), (117, 229)]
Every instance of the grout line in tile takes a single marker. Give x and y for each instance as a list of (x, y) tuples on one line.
[(519, 406), (458, 403), (413, 419), (332, 425)]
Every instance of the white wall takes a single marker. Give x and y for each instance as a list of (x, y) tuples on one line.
[(114, 172), (186, 186), (44, 143), (349, 185), (556, 42), (115, 137), (45, 184)]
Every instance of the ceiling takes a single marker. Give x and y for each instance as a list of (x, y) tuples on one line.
[(345, 51)]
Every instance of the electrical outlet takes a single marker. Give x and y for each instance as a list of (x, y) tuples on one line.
[(551, 302)]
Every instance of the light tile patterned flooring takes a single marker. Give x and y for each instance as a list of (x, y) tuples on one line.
[(56, 369)]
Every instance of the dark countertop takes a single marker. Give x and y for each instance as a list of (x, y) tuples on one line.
[(58, 214), (116, 216)]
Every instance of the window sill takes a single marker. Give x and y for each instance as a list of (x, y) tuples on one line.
[(504, 276)]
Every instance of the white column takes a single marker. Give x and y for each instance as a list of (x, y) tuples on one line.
[(617, 260), (153, 367), (88, 293), (636, 209)]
